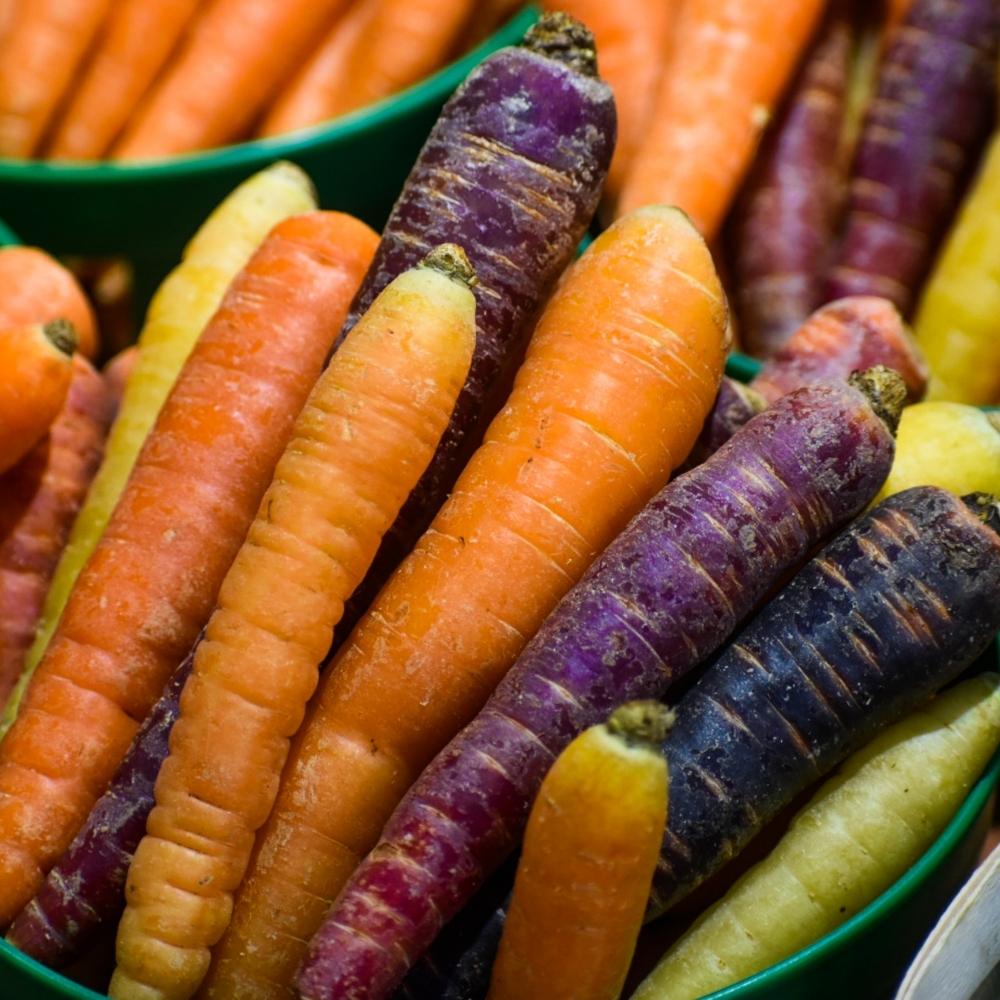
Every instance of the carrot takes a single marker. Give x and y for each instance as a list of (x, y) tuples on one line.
[(730, 62), (631, 49), (45, 43), (590, 848), (152, 580), (37, 365), (136, 41), (35, 288), (400, 42), (178, 313), (366, 434), (235, 57), (40, 497), (117, 372), (607, 402), (309, 96), (487, 16)]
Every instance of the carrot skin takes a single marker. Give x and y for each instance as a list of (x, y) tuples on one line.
[(85, 890), (787, 212), (644, 613), (116, 373), (735, 405), (892, 610), (515, 183), (924, 128), (41, 496)]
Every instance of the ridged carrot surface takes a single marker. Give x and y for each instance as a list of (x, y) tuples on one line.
[(363, 439), (619, 375), (730, 60), (152, 580)]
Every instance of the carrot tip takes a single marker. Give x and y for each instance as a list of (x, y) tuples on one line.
[(645, 722), (565, 39), (451, 260), (885, 390), (986, 507), (62, 335)]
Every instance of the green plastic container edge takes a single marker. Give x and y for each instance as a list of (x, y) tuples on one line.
[(8, 238), (257, 151)]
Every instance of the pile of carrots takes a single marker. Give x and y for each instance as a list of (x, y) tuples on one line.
[(340, 616), (145, 79)]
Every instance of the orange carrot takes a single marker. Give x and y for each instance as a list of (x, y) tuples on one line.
[(730, 60), (363, 440), (235, 57), (135, 43), (401, 42), (309, 97), (117, 371), (36, 362), (590, 848), (895, 11), (152, 580), (45, 43), (632, 40), (39, 498), (35, 288), (486, 18), (619, 375)]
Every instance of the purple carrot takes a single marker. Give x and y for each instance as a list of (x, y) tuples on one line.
[(512, 172), (845, 336), (896, 607), (924, 129), (663, 596), (85, 890), (787, 213)]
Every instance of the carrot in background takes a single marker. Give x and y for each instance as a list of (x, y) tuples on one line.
[(181, 307), (235, 57), (41, 51), (619, 375), (730, 61), (632, 42), (36, 288), (152, 580), (36, 365), (117, 372), (401, 42), (310, 94), (135, 42), (39, 498), (590, 846), (487, 16), (363, 439)]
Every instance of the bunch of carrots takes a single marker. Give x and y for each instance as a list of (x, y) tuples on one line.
[(378, 557), (142, 79)]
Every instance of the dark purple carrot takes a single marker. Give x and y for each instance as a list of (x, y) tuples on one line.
[(663, 596), (787, 213), (923, 131), (512, 172), (896, 607), (845, 336), (85, 889)]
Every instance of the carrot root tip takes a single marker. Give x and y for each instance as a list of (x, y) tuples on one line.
[(565, 39)]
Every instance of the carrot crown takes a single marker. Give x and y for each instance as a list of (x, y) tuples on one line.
[(641, 722), (62, 335), (565, 39), (986, 507), (885, 390), (451, 260)]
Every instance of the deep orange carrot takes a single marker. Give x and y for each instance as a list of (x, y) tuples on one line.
[(632, 41), (487, 16), (619, 375), (42, 48), (309, 96), (590, 847), (401, 42), (152, 580), (35, 288), (235, 57), (133, 46), (39, 498), (730, 60), (36, 365), (361, 443)]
